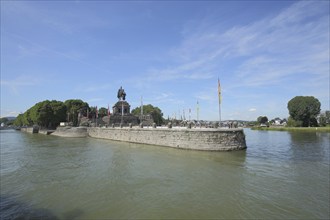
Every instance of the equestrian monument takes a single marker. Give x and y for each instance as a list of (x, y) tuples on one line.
[(121, 115)]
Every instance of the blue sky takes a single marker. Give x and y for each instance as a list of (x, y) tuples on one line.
[(171, 53)]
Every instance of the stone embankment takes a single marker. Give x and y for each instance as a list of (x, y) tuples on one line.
[(70, 131), (46, 132), (209, 139), (32, 130), (194, 139)]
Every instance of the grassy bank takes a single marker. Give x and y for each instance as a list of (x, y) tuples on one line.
[(311, 129)]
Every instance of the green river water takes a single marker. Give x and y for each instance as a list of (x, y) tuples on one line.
[(281, 175)]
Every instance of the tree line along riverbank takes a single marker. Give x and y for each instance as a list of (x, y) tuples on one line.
[(300, 129)]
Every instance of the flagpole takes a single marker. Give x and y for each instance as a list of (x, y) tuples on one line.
[(108, 115), (197, 108), (219, 114), (219, 97), (96, 117), (122, 112), (141, 110), (189, 113), (141, 107)]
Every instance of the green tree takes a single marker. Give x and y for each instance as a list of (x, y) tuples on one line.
[(304, 109), (92, 112), (59, 112), (73, 107), (19, 121), (27, 118), (41, 113), (293, 123), (102, 112), (327, 116), (262, 119), (324, 118), (155, 112), (4, 120), (47, 113)]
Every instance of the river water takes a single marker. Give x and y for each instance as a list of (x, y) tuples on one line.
[(280, 175)]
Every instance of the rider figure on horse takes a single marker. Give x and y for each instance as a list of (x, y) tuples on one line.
[(121, 94)]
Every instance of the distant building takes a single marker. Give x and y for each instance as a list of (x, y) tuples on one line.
[(278, 122)]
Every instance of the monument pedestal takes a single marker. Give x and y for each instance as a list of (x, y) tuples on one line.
[(121, 114), (121, 107)]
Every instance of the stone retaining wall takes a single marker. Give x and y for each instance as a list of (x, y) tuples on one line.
[(32, 130), (195, 139), (70, 132)]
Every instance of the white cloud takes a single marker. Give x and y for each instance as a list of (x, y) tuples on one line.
[(93, 87), (162, 98), (27, 48), (92, 100), (290, 48), (9, 113), (195, 70), (62, 21), (295, 41), (20, 82), (207, 94)]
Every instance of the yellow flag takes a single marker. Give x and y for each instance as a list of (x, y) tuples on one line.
[(219, 91)]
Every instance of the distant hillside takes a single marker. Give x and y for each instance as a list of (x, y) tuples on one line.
[(7, 120), (10, 118)]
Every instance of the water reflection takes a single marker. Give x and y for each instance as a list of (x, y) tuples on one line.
[(10, 208), (304, 137), (309, 146)]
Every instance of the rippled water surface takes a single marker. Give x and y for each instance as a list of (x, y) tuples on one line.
[(280, 175)]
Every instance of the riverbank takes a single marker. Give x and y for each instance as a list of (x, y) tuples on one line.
[(299, 129)]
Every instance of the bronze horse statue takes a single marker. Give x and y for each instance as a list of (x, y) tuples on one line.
[(121, 94)]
